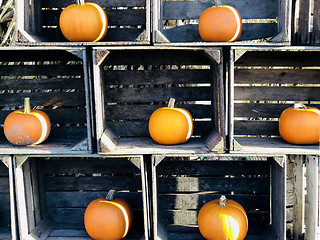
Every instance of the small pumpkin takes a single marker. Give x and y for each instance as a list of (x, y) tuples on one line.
[(83, 22), (108, 218), (223, 219), (221, 23), (27, 126), (300, 124), (170, 125)]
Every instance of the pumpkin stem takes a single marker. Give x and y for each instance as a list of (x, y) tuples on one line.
[(171, 103), (26, 106), (223, 201), (110, 195), (218, 2), (80, 2), (300, 106)]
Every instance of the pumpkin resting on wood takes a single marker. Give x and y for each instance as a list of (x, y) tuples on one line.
[(221, 23), (170, 125), (85, 22), (223, 219), (300, 124), (108, 218), (27, 126)]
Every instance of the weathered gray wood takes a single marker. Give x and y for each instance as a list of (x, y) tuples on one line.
[(315, 37), (312, 205), (303, 24), (104, 4)]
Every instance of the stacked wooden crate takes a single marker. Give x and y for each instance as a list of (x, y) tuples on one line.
[(99, 97)]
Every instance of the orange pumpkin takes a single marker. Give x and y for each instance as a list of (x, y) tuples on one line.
[(170, 125), (223, 219), (108, 218), (27, 126), (300, 124), (220, 23), (85, 22)]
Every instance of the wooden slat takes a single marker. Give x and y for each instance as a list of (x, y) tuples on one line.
[(316, 23), (192, 9), (4, 185), (182, 76), (256, 128), (263, 93), (103, 4), (276, 76)]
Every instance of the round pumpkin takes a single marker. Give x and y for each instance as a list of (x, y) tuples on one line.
[(300, 124), (220, 23), (170, 125), (86, 22), (27, 126), (223, 219), (108, 218)]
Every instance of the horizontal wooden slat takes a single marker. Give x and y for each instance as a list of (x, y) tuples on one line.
[(4, 171), (121, 17), (102, 183), (196, 201), (144, 95), (5, 203), (110, 166), (82, 199), (259, 110), (4, 185), (103, 4), (250, 9), (279, 58), (250, 31), (263, 93), (277, 76), (41, 71), (256, 128), (140, 128), (195, 184), (212, 168), (182, 76), (143, 112)]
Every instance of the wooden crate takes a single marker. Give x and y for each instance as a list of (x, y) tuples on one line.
[(53, 194), (264, 22), (182, 186), (7, 210), (130, 84), (263, 83), (56, 80), (38, 22)]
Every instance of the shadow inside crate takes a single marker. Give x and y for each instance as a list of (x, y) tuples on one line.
[(5, 217)]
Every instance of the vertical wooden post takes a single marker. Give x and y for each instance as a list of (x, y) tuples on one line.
[(311, 220), (316, 23), (303, 24), (298, 197)]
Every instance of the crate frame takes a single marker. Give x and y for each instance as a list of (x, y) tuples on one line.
[(28, 31), (32, 216), (160, 37), (277, 163), (109, 142), (274, 144), (42, 54)]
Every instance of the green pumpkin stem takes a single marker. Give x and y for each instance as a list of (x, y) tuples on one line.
[(218, 2), (80, 2), (299, 105), (26, 106), (171, 103), (110, 195), (223, 201)]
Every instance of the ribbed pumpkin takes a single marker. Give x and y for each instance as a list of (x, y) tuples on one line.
[(223, 219), (27, 126), (221, 23), (170, 125), (300, 124), (83, 22), (108, 218)]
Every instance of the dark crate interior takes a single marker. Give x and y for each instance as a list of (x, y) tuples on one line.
[(5, 217), (127, 21), (262, 20), (183, 187), (68, 185), (54, 80), (135, 83), (265, 84)]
